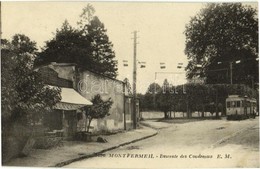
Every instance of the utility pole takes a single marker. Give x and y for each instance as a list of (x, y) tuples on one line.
[(231, 81), (0, 20), (134, 83)]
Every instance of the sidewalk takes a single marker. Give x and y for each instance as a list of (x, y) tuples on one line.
[(73, 150)]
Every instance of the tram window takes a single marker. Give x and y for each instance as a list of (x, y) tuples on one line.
[(228, 104), (238, 103), (233, 104), (248, 104)]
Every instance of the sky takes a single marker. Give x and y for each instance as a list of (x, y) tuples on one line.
[(160, 27)]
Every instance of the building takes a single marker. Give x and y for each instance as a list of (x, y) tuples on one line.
[(84, 84)]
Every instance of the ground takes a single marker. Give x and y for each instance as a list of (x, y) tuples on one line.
[(199, 143), (70, 151)]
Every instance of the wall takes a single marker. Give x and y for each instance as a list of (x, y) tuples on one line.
[(128, 114), (91, 84), (14, 140), (65, 72), (51, 77)]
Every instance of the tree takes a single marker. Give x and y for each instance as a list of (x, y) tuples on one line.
[(99, 109), (8, 92), (101, 47), (68, 46), (24, 96), (88, 46), (148, 101), (86, 16), (217, 37), (165, 98), (181, 98)]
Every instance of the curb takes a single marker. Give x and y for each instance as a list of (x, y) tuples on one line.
[(152, 127), (148, 125), (61, 164)]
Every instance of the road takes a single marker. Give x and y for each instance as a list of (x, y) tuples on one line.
[(208, 143)]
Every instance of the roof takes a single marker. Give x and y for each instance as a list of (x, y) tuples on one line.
[(237, 98), (71, 100), (74, 64), (54, 64), (105, 76)]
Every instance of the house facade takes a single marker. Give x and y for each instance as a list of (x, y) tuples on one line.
[(88, 84)]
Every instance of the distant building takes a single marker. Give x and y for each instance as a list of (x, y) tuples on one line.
[(86, 84)]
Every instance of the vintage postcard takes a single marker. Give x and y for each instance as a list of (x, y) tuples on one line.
[(130, 84)]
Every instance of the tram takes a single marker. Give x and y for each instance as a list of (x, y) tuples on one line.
[(239, 108)]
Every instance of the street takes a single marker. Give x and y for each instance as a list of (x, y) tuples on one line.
[(208, 143)]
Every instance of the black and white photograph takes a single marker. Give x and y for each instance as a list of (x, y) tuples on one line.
[(129, 84)]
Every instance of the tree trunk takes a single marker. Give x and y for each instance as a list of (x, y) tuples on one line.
[(89, 124), (222, 111), (202, 112), (165, 115), (86, 124), (216, 111), (187, 106), (217, 104)]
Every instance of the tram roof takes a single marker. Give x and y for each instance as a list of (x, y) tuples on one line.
[(237, 97)]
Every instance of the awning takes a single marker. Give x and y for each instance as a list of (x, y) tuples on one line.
[(71, 100)]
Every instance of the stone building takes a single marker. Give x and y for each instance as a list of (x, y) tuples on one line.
[(84, 84)]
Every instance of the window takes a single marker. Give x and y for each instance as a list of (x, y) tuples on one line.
[(228, 104), (238, 103), (233, 104), (248, 104)]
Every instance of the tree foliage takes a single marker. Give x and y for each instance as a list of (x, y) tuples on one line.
[(86, 16), (150, 99), (165, 98), (220, 34), (68, 46), (128, 87), (193, 97), (88, 46), (24, 95), (99, 109), (101, 47)]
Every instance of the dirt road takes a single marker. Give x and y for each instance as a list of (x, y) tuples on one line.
[(208, 143)]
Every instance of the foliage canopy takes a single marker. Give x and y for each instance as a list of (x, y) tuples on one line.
[(88, 46), (24, 96), (99, 109), (192, 97), (220, 35)]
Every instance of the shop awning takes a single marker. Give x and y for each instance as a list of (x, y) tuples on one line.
[(71, 100)]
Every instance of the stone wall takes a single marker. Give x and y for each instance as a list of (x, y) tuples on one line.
[(14, 140)]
